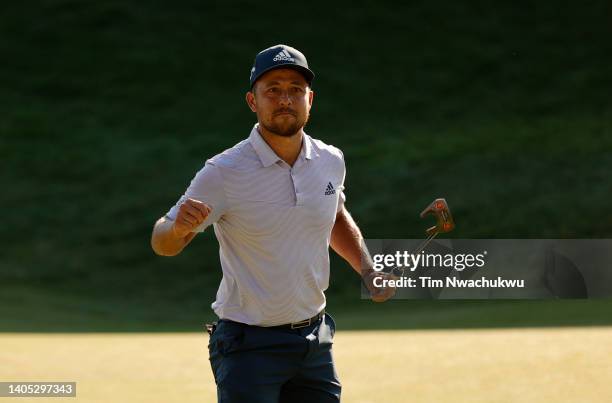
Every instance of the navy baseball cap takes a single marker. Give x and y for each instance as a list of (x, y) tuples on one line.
[(280, 56)]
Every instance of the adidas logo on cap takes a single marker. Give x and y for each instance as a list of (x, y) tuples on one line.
[(283, 56)]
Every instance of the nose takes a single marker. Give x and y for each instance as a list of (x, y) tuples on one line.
[(285, 98)]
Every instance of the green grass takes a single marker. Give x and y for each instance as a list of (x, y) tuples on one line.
[(108, 110), (32, 310)]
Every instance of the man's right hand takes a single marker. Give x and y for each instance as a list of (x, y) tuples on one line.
[(191, 214)]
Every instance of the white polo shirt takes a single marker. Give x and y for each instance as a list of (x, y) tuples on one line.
[(273, 223)]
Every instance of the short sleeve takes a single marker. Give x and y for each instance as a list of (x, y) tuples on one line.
[(342, 196), (341, 200), (207, 187)]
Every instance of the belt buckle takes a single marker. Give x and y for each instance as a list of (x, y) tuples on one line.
[(301, 324)]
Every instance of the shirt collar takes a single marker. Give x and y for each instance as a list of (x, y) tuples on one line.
[(264, 152), (307, 148), (268, 156)]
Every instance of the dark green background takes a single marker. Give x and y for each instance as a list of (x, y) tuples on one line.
[(109, 108)]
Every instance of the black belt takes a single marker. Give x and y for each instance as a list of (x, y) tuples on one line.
[(300, 324), (210, 327)]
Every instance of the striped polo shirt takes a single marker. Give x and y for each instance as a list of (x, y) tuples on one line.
[(273, 223)]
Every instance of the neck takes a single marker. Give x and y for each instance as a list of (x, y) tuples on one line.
[(287, 148)]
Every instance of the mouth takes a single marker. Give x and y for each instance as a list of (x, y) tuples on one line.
[(284, 113)]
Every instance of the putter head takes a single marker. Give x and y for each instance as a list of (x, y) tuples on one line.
[(444, 219)]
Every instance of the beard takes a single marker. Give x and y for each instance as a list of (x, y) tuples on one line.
[(287, 127)]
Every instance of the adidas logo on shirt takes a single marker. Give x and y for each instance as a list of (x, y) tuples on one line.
[(283, 56), (330, 189)]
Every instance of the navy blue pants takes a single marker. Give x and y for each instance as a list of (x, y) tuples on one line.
[(262, 365)]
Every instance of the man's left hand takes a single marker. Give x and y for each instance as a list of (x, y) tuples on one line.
[(378, 294)]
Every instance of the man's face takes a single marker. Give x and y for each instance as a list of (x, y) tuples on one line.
[(282, 99)]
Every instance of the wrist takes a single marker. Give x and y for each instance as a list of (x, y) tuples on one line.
[(367, 277), (367, 270)]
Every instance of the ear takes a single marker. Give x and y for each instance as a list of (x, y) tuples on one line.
[(250, 100), (310, 98)]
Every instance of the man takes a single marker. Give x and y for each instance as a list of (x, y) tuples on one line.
[(276, 201)]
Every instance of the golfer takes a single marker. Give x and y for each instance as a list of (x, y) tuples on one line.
[(276, 203)]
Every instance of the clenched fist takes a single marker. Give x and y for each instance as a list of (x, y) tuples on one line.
[(191, 214)]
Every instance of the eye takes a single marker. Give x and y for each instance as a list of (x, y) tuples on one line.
[(272, 90), (298, 90)]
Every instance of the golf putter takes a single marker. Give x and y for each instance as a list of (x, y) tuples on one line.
[(444, 223)]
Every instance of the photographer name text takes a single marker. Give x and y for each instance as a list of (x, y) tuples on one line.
[(453, 282)]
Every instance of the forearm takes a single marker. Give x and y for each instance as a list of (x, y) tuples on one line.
[(347, 241), (164, 240)]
